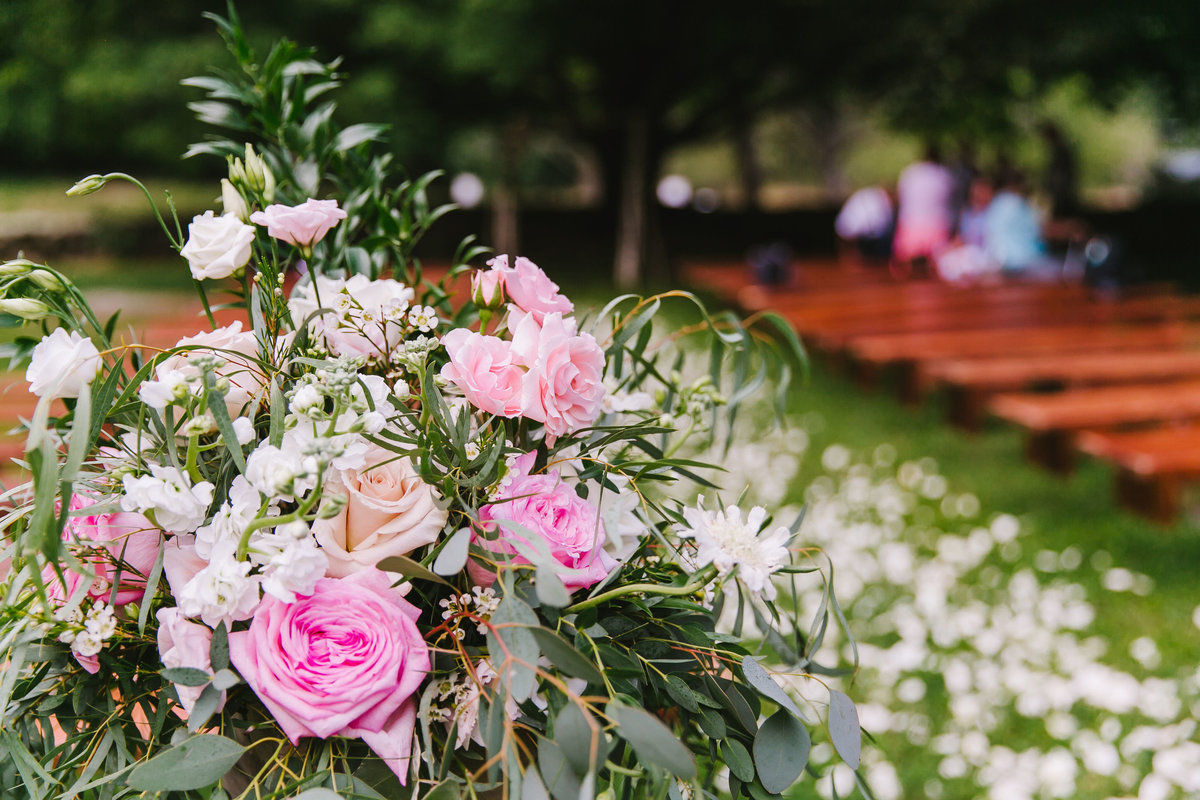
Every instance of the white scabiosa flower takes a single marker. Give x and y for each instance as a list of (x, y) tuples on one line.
[(733, 545), (168, 494)]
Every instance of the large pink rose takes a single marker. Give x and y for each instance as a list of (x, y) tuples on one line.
[(564, 388), (238, 348), (530, 289), (119, 542), (303, 225), (482, 367), (344, 661), (549, 508), (389, 511)]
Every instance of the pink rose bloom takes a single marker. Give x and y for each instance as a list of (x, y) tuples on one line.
[(181, 562), (564, 388), (115, 541), (238, 348), (344, 661), (483, 368), (303, 225), (530, 289), (182, 643), (389, 512), (545, 505)]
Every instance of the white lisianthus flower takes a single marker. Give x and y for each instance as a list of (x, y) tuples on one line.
[(62, 364), (224, 591), (168, 494), (217, 247), (730, 544)]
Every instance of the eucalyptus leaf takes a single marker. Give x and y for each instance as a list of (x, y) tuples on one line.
[(578, 734), (410, 569), (186, 676), (781, 751), (196, 763), (844, 729), (453, 555), (765, 685), (737, 757), (565, 657), (514, 650), (652, 740)]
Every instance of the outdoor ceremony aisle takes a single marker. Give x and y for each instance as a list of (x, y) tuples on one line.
[(1019, 637)]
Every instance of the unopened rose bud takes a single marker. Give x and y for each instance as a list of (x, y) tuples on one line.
[(88, 185), (232, 202), (24, 307), (487, 289), (257, 171)]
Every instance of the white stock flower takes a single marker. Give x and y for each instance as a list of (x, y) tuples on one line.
[(170, 387), (730, 544), (62, 364), (221, 592), (243, 429), (306, 399), (217, 247), (292, 561), (168, 494), (234, 515)]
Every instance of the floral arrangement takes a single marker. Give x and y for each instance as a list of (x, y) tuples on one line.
[(383, 530)]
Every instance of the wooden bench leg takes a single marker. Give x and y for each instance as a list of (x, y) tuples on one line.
[(914, 382), (866, 374), (1153, 496), (1051, 449), (965, 407)]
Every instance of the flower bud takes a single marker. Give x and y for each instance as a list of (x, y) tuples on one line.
[(19, 266), (487, 289), (24, 307), (47, 280), (232, 202), (256, 171), (88, 185)]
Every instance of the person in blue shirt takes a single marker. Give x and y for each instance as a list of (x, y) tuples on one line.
[(1013, 233)]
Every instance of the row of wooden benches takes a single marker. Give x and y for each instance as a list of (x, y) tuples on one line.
[(1114, 376)]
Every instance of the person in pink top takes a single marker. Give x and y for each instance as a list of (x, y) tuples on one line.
[(925, 221)]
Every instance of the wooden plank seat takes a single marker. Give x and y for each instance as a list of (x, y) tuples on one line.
[(1152, 465), (969, 382), (1053, 420), (911, 353)]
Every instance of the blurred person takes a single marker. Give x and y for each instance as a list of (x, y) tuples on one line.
[(1013, 232), (865, 225), (968, 259), (925, 220)]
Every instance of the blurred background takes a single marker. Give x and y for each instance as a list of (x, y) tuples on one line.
[(695, 128)]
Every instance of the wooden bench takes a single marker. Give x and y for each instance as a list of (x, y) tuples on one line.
[(911, 353), (1053, 420), (969, 382), (1151, 465)]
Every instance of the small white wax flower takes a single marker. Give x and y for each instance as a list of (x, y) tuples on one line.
[(724, 540), (62, 364), (168, 494), (86, 644), (423, 318)]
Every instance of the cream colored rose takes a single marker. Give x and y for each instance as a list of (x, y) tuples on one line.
[(389, 512)]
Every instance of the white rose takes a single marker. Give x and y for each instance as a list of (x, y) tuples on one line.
[(62, 364), (217, 247), (389, 511)]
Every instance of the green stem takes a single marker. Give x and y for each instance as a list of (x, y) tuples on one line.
[(702, 579), (193, 452), (204, 302), (177, 243), (270, 522)]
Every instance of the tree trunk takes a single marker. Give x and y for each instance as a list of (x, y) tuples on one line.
[(748, 167), (505, 207), (631, 213)]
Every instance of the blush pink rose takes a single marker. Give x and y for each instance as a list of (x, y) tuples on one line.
[(389, 511), (120, 546), (183, 643), (344, 661), (483, 368), (303, 225), (564, 388), (240, 351), (530, 289), (546, 506)]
